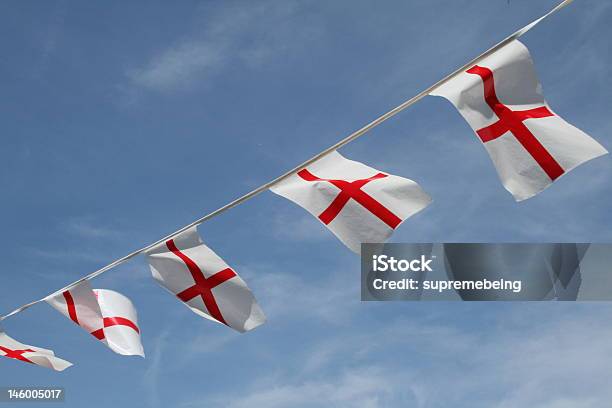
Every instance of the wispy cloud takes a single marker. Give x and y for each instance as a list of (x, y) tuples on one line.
[(153, 371), (61, 255), (366, 387), (180, 65), (235, 35), (49, 35), (88, 227), (283, 295), (305, 227), (537, 362)]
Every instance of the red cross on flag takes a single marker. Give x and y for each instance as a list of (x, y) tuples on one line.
[(204, 282), (357, 203), (105, 314), (501, 98), (11, 348)]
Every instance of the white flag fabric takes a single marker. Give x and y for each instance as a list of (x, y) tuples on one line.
[(80, 305), (204, 282), (121, 330), (357, 203), (501, 99), (105, 314), (11, 348)]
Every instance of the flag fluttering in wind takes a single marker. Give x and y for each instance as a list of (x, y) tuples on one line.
[(121, 330), (11, 348), (105, 314), (531, 146), (204, 282), (358, 203)]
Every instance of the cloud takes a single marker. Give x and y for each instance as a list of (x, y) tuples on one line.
[(235, 35), (365, 387), (544, 366), (56, 23), (87, 227), (179, 65), (289, 226), (207, 342), (152, 374), (432, 362), (62, 255), (288, 296), (48, 36)]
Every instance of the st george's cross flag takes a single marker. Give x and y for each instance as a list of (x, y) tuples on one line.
[(11, 348), (501, 99), (121, 330), (107, 315), (204, 282), (358, 203)]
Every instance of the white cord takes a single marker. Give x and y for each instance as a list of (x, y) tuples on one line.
[(280, 178)]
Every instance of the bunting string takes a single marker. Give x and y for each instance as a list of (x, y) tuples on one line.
[(358, 133)]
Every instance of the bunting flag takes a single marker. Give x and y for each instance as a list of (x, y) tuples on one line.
[(121, 330), (501, 99), (204, 282), (11, 348), (357, 203), (107, 315)]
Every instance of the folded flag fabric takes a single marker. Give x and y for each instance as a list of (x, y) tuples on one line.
[(11, 348), (80, 305), (501, 99), (358, 203), (204, 282), (105, 314), (121, 330)]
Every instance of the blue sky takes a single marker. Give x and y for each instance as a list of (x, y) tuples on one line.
[(123, 121)]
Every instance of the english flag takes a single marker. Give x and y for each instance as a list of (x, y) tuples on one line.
[(11, 348), (204, 282), (358, 203), (105, 314), (501, 99), (121, 330)]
